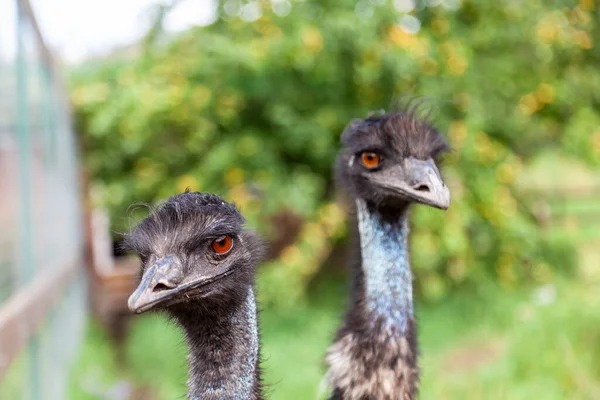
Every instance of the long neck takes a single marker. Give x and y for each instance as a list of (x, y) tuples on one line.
[(224, 350), (385, 265), (374, 355)]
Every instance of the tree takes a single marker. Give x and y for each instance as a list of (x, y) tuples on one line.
[(252, 106)]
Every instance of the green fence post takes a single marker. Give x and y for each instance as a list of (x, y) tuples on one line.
[(27, 267)]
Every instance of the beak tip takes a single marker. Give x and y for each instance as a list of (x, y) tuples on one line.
[(439, 199), (421, 182), (131, 304), (446, 203)]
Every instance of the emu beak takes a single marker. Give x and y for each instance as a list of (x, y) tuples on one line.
[(419, 181), (160, 282), (163, 284)]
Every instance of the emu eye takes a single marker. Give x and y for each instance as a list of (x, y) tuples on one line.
[(370, 159), (222, 245)]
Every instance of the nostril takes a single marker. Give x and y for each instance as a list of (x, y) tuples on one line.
[(422, 188), (160, 287)]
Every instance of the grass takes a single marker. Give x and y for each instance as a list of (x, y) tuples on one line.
[(531, 344), (534, 343)]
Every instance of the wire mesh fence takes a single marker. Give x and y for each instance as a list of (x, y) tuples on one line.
[(41, 227)]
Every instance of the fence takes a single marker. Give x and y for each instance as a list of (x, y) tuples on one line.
[(42, 287)]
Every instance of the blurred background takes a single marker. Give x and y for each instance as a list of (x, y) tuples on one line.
[(105, 103)]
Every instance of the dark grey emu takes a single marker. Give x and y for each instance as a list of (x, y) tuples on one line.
[(198, 264), (387, 162)]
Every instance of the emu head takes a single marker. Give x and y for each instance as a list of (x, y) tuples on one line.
[(192, 248), (390, 160)]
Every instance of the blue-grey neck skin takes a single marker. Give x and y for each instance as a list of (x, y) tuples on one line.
[(386, 266), (224, 357)]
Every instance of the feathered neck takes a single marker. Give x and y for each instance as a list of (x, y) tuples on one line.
[(385, 264), (224, 349), (374, 355)]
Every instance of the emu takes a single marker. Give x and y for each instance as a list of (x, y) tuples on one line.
[(386, 163), (198, 265)]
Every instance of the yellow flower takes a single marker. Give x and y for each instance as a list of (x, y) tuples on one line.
[(187, 181), (583, 40), (266, 27), (417, 47), (545, 93), (506, 173), (546, 30), (313, 233), (529, 104), (457, 65), (312, 39), (240, 195), (291, 256), (234, 176), (486, 150), (458, 132), (587, 4), (401, 38)]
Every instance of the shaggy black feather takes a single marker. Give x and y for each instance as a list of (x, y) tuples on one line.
[(220, 326)]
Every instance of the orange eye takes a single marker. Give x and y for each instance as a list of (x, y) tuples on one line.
[(370, 159), (222, 245)]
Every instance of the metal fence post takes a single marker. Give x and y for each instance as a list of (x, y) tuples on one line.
[(27, 257)]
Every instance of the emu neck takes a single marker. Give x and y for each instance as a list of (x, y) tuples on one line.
[(374, 355), (385, 264), (224, 350)]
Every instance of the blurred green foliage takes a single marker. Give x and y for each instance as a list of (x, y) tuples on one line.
[(253, 110)]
